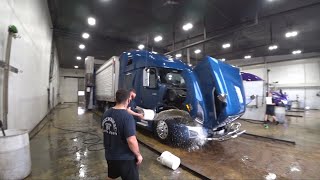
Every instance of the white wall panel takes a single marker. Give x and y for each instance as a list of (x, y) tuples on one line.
[(296, 94), (55, 85), (298, 78), (69, 90), (313, 72), (287, 74), (28, 95), (69, 84), (72, 72), (312, 100)]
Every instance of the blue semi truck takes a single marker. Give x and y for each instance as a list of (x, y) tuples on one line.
[(189, 103)]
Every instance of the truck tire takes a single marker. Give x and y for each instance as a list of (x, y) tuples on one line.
[(168, 126), (162, 131), (106, 106), (170, 132)]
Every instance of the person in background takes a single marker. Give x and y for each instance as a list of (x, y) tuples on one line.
[(270, 110), (132, 105), (119, 138)]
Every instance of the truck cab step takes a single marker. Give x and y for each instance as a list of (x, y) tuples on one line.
[(142, 124)]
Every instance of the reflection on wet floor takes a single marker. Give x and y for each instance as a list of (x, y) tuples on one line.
[(66, 154), (303, 130), (254, 158), (67, 145)]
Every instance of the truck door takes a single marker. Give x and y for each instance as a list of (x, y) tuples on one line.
[(150, 92)]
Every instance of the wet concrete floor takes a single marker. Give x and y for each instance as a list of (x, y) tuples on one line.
[(67, 145), (255, 158), (61, 154)]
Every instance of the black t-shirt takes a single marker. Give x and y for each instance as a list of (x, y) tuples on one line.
[(117, 125)]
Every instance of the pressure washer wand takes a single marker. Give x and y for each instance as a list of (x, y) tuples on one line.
[(1, 126)]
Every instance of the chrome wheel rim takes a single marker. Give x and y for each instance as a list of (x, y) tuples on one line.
[(162, 130)]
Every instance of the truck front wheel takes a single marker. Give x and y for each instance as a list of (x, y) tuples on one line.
[(162, 131)]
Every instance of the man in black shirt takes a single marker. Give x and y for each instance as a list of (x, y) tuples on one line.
[(132, 106), (120, 142)]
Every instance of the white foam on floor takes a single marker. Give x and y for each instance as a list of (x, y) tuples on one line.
[(271, 176), (292, 169)]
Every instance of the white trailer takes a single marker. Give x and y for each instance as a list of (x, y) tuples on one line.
[(107, 80)]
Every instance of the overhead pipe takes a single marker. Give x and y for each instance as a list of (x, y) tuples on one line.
[(272, 59), (216, 36), (260, 18)]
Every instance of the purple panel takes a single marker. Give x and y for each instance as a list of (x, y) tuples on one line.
[(250, 77)]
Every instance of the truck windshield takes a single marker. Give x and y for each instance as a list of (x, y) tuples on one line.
[(172, 77)]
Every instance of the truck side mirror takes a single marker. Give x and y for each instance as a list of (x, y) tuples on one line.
[(146, 77)]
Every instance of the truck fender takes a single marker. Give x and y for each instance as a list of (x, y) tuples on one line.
[(172, 114)]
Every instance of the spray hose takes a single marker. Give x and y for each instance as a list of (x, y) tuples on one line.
[(1, 126)]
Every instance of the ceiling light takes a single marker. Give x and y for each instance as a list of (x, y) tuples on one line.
[(91, 21), (297, 52), (223, 59), (78, 58), (85, 35), (227, 45), (82, 46), (294, 33), (158, 38), (141, 46), (247, 57), (291, 34), (178, 55), (273, 47), (187, 26), (197, 51), (76, 67)]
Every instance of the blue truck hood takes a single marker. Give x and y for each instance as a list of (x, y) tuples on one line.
[(218, 78)]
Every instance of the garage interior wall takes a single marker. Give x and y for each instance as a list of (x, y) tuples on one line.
[(71, 81), (55, 81), (28, 89), (300, 79)]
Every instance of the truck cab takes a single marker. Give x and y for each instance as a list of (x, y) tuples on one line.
[(200, 102), (211, 93)]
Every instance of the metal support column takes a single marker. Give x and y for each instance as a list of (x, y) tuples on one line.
[(188, 51), (174, 39), (6, 81), (204, 36)]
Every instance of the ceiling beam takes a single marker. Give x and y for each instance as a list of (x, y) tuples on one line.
[(220, 30)]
